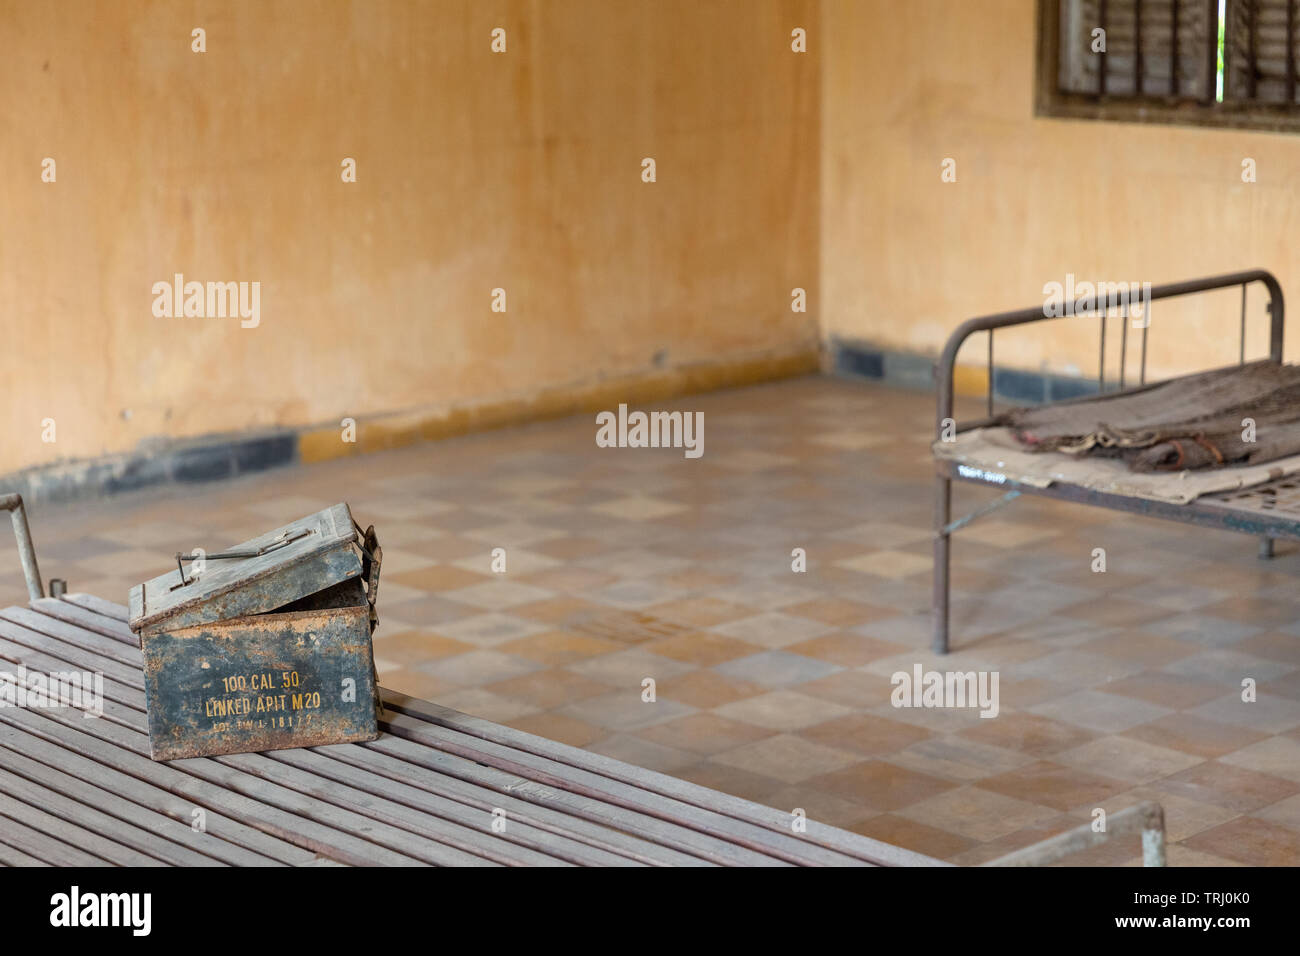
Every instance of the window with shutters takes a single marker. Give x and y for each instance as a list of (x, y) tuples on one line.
[(1205, 62)]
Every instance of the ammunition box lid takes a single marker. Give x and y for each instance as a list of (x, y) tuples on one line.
[(268, 572)]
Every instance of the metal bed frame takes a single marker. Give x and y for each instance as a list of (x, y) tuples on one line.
[(1269, 510)]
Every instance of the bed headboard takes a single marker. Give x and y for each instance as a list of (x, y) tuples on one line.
[(988, 323)]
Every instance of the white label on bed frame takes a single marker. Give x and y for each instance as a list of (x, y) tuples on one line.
[(979, 474)]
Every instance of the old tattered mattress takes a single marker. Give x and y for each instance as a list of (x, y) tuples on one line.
[(1174, 441)]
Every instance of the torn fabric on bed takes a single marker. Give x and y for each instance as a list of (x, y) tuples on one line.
[(1247, 414), (993, 455)]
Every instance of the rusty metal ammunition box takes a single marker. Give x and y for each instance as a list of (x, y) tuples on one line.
[(265, 646)]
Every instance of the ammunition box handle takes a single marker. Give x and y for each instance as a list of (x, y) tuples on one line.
[(372, 556), (280, 542)]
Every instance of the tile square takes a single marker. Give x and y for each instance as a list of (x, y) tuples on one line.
[(786, 757), (776, 668), (782, 710)]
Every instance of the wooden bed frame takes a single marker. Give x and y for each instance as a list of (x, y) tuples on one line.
[(1269, 510)]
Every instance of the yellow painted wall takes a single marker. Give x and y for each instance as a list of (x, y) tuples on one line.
[(906, 257), (475, 171)]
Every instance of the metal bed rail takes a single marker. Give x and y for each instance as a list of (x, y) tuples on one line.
[(1146, 818), (944, 372), (13, 503)]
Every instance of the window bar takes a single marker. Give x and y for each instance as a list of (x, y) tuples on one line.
[(1252, 28), (1290, 52), (1101, 60), (1137, 47), (1241, 358), (1123, 342), (1212, 48), (1173, 49)]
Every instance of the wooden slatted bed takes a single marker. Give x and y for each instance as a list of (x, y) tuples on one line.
[(82, 791)]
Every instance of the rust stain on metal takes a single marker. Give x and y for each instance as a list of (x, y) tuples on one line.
[(298, 671)]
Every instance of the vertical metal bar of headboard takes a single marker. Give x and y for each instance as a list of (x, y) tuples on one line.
[(1123, 342), (1101, 361), (1146, 327), (1241, 358), (1276, 316), (992, 379)]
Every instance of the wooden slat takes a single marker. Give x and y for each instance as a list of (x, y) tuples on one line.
[(12, 857), (542, 794), (710, 847), (119, 748), (52, 850), (97, 604), (447, 843), (87, 619), (711, 835), (77, 636), (222, 837), (70, 832), (37, 659), (766, 818), (134, 721), (557, 847), (338, 807), (487, 788), (149, 844), (375, 821)]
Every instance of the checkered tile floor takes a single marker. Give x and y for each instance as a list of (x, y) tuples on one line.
[(628, 564)]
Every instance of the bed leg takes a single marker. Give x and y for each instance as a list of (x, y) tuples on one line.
[(1266, 547), (942, 515)]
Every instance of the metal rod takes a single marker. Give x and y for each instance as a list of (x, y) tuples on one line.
[(1211, 48), (1101, 361), (992, 375), (1123, 343), (1137, 47), (1241, 358), (1146, 818), (1252, 28), (1146, 328), (1101, 60), (979, 512), (1173, 50), (1290, 52), (942, 544), (13, 503)]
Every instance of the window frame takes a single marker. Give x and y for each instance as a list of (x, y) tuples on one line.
[(1051, 101)]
